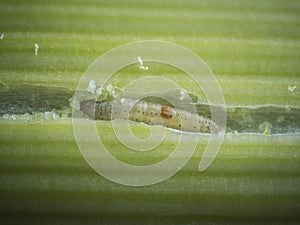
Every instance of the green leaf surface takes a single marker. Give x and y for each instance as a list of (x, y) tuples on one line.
[(253, 49)]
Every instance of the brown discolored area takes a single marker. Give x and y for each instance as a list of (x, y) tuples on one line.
[(166, 112)]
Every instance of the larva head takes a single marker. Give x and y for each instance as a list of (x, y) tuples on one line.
[(88, 108)]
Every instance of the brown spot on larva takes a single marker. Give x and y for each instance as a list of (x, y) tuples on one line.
[(166, 112)]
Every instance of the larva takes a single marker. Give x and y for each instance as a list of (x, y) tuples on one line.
[(149, 113)]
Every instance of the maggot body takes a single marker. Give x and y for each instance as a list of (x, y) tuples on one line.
[(149, 113)]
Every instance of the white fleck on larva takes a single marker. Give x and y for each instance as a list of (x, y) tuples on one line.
[(2, 36), (122, 100)]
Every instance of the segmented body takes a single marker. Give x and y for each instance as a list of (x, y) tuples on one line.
[(149, 113)]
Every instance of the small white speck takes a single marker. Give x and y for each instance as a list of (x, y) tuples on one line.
[(2, 36), (36, 48), (99, 91), (92, 86), (292, 88), (54, 116), (143, 67), (182, 95), (140, 60), (122, 100), (111, 89)]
